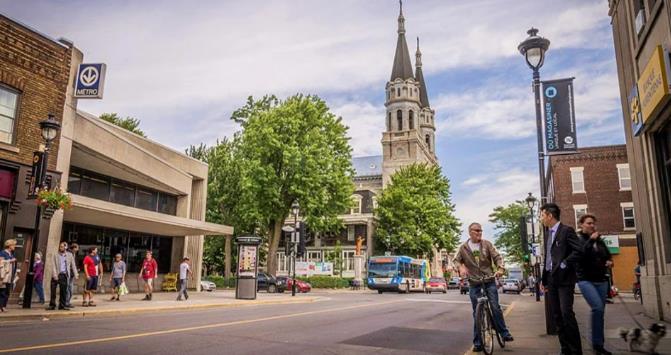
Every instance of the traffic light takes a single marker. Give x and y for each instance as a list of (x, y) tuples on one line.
[(524, 235), (302, 234)]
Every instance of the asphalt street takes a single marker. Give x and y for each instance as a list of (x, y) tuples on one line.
[(338, 323)]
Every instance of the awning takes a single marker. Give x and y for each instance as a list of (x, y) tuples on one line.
[(87, 210)]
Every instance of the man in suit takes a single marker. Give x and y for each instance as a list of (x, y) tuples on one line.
[(562, 251), (62, 266)]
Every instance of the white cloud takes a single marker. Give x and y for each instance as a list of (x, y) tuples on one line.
[(366, 124)]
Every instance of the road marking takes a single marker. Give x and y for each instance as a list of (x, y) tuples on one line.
[(437, 301), (505, 314), (179, 330)]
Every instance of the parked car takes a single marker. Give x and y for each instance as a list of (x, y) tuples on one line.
[(208, 286), (463, 286), (269, 283), (512, 285), (437, 284), (453, 284), (301, 286)]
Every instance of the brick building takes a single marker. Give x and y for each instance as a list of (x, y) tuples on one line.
[(34, 73), (597, 181)]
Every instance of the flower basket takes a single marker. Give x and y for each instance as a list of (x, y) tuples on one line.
[(54, 199)]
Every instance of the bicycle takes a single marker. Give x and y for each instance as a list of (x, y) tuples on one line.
[(637, 292), (484, 319)]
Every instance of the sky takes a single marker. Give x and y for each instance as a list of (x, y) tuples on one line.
[(183, 67)]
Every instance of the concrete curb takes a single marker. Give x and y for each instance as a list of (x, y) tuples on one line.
[(121, 311)]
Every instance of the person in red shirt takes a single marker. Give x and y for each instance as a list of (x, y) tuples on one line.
[(93, 269), (149, 272)]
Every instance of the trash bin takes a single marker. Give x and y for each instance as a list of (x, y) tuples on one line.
[(248, 256)]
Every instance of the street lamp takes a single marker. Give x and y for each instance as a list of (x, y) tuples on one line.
[(533, 49), (295, 209), (49, 129), (531, 201)]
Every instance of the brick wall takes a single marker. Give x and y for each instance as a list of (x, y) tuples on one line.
[(38, 68), (602, 188)]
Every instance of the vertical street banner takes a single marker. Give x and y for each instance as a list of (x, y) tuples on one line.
[(559, 127)]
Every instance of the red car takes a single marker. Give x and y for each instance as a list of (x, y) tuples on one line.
[(301, 286), (437, 284)]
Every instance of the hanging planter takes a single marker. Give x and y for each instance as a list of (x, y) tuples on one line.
[(54, 199)]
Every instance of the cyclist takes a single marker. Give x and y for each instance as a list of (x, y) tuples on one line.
[(475, 259)]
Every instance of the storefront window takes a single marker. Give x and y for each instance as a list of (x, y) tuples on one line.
[(132, 246)]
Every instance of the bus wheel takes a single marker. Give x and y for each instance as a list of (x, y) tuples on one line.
[(379, 291)]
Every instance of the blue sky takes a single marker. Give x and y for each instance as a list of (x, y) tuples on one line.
[(182, 68)]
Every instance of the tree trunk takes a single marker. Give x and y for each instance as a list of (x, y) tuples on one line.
[(275, 232), (227, 257)]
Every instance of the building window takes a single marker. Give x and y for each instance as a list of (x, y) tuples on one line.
[(411, 120), (374, 198), (146, 199), (577, 180), (399, 119), (398, 92), (389, 121), (628, 218), (663, 143), (95, 187), (388, 95), (579, 210), (315, 256), (639, 16), (122, 194), (348, 260), (8, 103), (350, 233), (427, 139), (624, 177), (356, 207), (167, 204)]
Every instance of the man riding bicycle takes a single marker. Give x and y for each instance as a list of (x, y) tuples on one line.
[(476, 258)]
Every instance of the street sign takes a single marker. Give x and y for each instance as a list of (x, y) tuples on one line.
[(612, 242), (90, 81), (536, 249)]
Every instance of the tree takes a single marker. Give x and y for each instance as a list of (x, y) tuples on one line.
[(415, 213), (294, 150), (507, 226), (128, 123)]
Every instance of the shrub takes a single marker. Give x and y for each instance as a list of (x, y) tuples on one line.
[(221, 281), (327, 281)]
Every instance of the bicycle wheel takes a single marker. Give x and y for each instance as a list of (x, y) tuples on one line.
[(485, 329)]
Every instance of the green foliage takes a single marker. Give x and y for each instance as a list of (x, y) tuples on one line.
[(507, 226), (294, 150), (327, 281), (335, 257), (129, 123), (415, 212)]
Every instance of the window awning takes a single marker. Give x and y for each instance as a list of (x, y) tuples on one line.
[(87, 210)]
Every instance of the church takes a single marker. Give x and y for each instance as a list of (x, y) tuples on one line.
[(409, 137)]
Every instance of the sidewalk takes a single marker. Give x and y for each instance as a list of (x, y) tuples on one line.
[(526, 321), (162, 301)]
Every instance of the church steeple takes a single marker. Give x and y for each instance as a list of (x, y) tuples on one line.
[(419, 76), (402, 66)]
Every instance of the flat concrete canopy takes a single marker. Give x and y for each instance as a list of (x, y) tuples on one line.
[(91, 211)]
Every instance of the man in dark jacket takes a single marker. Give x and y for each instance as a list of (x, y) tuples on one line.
[(563, 250)]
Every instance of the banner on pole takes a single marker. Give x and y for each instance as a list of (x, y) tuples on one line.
[(559, 125)]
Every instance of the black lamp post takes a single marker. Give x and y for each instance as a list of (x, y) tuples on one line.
[(533, 49), (295, 209), (49, 129), (531, 201)]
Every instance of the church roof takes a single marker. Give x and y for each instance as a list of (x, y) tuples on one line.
[(419, 76), (402, 67), (367, 166)]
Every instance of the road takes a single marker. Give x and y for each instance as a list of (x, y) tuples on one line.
[(338, 323)]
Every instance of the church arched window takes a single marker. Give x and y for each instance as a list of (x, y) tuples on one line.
[(411, 120), (399, 119), (389, 122), (398, 92), (428, 141)]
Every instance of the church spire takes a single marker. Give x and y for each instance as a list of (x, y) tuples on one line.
[(402, 66), (419, 76)]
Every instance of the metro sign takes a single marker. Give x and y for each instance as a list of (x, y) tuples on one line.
[(90, 81)]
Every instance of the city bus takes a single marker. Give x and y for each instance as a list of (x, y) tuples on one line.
[(397, 273)]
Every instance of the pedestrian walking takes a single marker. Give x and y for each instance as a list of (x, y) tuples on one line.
[(93, 269), (74, 276), (7, 272), (563, 250), (149, 272), (117, 276), (184, 272), (476, 259), (531, 281), (61, 266), (592, 278), (38, 279)]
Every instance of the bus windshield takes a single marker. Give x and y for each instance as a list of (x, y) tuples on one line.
[(382, 270)]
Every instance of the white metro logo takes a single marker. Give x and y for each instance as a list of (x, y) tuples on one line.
[(88, 76)]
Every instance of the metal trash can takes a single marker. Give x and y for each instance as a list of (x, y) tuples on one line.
[(248, 256)]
